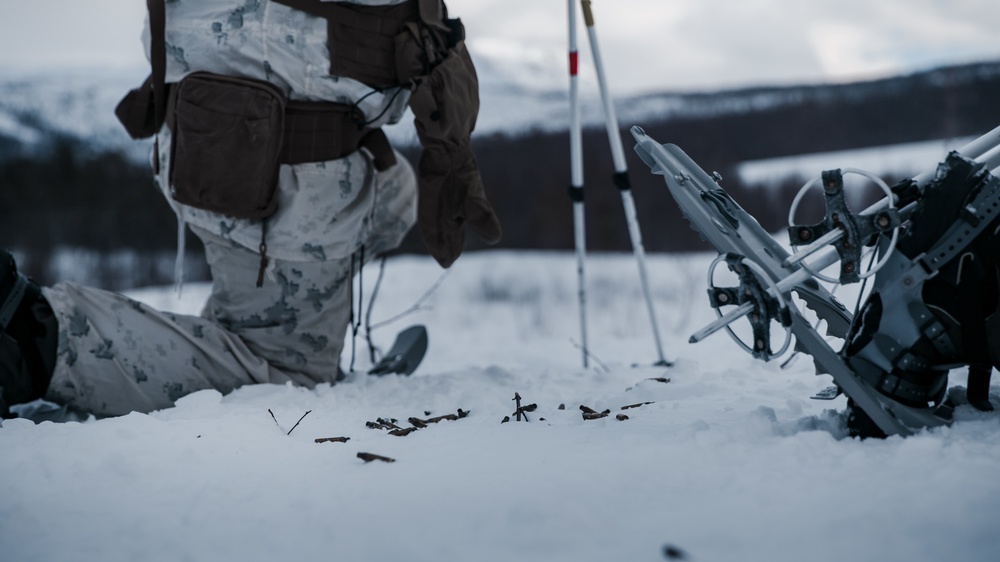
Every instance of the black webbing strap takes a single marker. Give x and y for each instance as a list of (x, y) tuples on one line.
[(974, 217), (158, 61), (621, 181), (158, 55), (321, 131)]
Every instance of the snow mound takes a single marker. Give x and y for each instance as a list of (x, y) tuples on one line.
[(719, 457)]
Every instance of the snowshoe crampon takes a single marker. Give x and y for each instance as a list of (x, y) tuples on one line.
[(768, 277)]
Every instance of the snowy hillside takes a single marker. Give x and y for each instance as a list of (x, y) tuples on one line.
[(515, 97), (518, 91), (722, 458), (80, 103), (901, 160)]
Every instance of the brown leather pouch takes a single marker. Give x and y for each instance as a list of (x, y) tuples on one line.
[(226, 147)]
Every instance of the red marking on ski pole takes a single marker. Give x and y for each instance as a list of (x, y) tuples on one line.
[(573, 63)]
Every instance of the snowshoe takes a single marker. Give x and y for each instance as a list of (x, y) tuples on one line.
[(876, 378)]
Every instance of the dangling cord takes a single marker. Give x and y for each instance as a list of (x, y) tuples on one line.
[(356, 325), (417, 306), (263, 254), (181, 250), (350, 319), (368, 313), (357, 105), (864, 284), (857, 307)]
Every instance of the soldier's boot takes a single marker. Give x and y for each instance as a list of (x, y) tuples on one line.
[(28, 337)]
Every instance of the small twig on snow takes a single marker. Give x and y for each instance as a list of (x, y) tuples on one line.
[(403, 432), (450, 417), (592, 414), (672, 552), (333, 439), (382, 423), (369, 457), (640, 404), (519, 412), (298, 422), (417, 422)]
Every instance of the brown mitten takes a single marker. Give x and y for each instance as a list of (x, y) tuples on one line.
[(445, 104)]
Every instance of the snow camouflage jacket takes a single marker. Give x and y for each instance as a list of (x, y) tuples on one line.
[(325, 209)]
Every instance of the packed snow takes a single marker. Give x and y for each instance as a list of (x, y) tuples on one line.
[(723, 457)]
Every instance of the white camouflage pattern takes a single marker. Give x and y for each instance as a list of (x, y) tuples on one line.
[(116, 355), (321, 205)]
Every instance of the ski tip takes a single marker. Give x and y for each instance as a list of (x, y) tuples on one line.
[(644, 148)]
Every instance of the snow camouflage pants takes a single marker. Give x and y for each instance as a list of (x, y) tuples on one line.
[(116, 355)]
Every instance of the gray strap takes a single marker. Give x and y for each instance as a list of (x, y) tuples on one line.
[(14, 299)]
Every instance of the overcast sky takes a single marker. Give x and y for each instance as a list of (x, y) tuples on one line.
[(646, 44)]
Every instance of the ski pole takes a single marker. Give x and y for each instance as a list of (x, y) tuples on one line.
[(576, 181), (621, 178)]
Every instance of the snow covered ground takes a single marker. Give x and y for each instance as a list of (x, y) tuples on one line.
[(898, 160), (729, 460)]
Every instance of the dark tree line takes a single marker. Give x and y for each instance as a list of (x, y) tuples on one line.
[(68, 196)]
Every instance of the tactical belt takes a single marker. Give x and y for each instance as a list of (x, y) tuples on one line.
[(313, 131), (320, 131)]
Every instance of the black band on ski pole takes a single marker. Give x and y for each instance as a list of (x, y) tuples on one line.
[(576, 194), (621, 181)]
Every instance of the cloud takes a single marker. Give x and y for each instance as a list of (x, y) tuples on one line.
[(645, 44), (57, 33)]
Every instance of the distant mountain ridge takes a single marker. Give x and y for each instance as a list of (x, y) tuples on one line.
[(71, 180), (37, 110)]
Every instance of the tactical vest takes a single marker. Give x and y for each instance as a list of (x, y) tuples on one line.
[(366, 42)]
